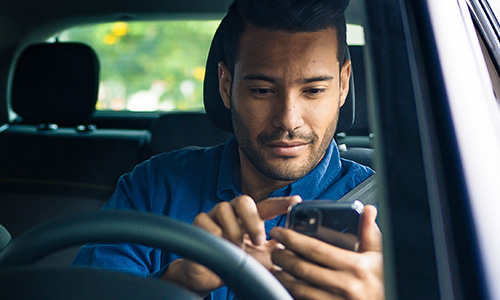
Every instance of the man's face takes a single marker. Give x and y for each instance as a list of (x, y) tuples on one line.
[(284, 98)]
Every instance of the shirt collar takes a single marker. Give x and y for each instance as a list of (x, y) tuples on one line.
[(308, 187)]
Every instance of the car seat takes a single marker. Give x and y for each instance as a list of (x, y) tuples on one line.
[(53, 161), (178, 130)]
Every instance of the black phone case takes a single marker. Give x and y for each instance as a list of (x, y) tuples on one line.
[(335, 223)]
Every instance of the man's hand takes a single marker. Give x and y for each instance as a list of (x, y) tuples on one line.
[(312, 269), (240, 221)]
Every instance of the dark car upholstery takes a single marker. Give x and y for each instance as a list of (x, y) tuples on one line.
[(178, 130), (53, 162), (56, 82)]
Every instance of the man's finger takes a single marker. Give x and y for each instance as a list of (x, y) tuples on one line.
[(273, 207), (313, 249), (204, 221), (300, 289), (246, 211), (371, 237), (317, 275), (223, 214)]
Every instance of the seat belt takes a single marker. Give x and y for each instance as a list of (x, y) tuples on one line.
[(364, 192)]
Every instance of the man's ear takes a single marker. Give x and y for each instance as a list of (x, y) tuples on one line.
[(225, 84), (345, 76)]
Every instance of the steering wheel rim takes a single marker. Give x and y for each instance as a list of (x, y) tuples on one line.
[(58, 283), (246, 277)]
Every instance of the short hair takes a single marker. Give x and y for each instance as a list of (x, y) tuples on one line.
[(286, 15)]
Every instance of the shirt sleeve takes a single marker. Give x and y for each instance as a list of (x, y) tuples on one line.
[(134, 191)]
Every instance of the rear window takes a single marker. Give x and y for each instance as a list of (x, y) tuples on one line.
[(149, 66), (154, 66)]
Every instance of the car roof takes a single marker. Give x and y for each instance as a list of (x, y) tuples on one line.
[(26, 21)]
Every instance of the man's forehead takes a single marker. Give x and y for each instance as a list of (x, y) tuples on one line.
[(262, 49), (255, 40)]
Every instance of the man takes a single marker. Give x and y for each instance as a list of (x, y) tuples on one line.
[(284, 80)]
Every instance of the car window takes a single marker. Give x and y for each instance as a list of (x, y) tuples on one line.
[(494, 76), (488, 32), (155, 66), (495, 5), (149, 66)]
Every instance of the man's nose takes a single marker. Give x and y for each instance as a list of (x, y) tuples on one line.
[(288, 112)]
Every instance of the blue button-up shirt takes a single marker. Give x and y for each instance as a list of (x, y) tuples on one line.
[(183, 183)]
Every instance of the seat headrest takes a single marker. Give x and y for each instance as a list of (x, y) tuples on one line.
[(178, 130), (219, 115), (56, 83)]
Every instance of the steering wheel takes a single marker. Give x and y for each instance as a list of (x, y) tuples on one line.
[(246, 277)]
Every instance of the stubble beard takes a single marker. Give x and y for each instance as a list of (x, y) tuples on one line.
[(286, 170)]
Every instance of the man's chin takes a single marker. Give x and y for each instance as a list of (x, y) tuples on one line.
[(285, 171)]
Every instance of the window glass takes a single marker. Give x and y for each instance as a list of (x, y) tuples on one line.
[(151, 66), (495, 5), (355, 35), (494, 76)]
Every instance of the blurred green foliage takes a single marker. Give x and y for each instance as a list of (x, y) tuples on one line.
[(149, 65)]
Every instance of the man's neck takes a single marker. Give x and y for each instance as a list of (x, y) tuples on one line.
[(256, 184)]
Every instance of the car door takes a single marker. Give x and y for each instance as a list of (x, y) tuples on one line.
[(437, 125)]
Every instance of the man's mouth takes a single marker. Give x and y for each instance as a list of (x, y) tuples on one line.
[(288, 148)]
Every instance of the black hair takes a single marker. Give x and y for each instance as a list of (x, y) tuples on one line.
[(286, 15)]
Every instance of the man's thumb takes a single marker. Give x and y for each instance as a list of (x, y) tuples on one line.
[(371, 237)]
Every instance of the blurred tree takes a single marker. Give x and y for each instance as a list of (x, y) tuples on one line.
[(166, 58)]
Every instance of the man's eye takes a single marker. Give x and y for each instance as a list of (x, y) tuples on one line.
[(314, 91), (261, 91)]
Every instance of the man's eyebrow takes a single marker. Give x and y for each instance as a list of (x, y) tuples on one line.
[(273, 80), (259, 77), (317, 78)]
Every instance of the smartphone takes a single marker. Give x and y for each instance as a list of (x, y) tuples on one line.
[(338, 224)]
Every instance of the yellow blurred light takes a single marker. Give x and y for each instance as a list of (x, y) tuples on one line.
[(119, 28), (101, 104), (110, 39), (199, 73)]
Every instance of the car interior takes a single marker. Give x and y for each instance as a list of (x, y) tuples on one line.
[(54, 130), (60, 157)]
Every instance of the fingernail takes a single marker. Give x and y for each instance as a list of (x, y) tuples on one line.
[(276, 268)]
